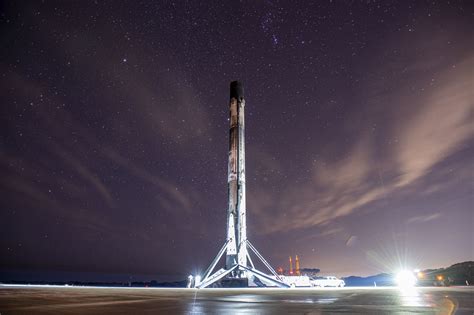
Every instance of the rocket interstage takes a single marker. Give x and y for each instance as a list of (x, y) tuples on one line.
[(238, 263)]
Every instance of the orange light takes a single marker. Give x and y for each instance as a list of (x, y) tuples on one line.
[(421, 275), (439, 277)]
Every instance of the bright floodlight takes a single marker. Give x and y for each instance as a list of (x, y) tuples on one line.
[(405, 279), (197, 280)]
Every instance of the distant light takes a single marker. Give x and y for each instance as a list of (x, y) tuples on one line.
[(439, 277), (405, 279), (190, 281), (420, 275)]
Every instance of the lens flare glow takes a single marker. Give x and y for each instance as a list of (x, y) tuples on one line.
[(197, 280), (405, 279)]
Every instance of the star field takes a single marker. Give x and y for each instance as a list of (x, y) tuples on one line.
[(114, 133)]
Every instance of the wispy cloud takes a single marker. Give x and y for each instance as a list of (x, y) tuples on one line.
[(442, 124), (40, 198), (72, 161), (88, 176), (336, 189), (170, 195), (424, 218), (439, 122)]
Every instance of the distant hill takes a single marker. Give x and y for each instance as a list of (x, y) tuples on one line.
[(456, 274)]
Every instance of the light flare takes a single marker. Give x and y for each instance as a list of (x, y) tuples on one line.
[(405, 279)]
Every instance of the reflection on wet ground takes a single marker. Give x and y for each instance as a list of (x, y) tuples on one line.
[(73, 300)]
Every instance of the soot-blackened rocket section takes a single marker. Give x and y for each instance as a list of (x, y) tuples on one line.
[(236, 214), (236, 90)]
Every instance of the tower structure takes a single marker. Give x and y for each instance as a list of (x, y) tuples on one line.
[(238, 262), (297, 266)]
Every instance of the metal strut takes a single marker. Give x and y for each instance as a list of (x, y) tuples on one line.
[(250, 260), (261, 275), (216, 260), (221, 273), (264, 261), (210, 278)]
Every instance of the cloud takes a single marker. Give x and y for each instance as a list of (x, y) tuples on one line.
[(348, 172), (336, 188), (440, 127), (88, 176), (436, 125), (25, 190), (170, 196), (424, 218), (72, 161)]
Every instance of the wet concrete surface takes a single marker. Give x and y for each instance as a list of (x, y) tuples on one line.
[(87, 300)]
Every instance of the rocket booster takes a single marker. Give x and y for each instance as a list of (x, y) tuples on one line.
[(236, 213)]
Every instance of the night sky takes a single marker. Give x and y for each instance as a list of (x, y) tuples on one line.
[(114, 134)]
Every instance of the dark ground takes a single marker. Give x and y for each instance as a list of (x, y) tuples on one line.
[(73, 300)]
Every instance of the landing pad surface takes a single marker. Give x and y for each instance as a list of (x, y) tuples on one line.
[(87, 300)]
